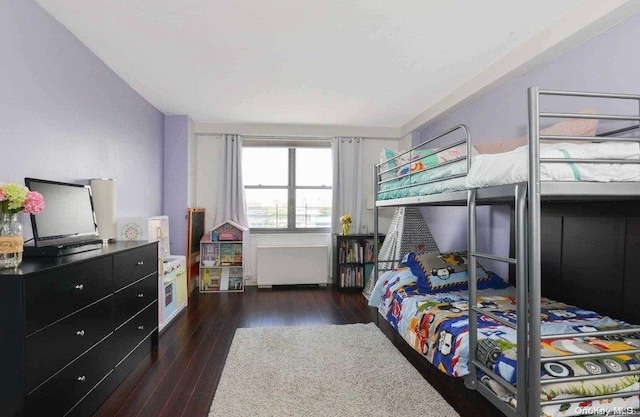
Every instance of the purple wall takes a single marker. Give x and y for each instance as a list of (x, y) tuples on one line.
[(176, 165), (606, 63), (64, 115)]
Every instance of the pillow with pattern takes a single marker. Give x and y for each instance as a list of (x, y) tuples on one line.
[(421, 159), (440, 272), (387, 163)]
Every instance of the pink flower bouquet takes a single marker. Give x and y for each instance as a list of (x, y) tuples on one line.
[(15, 198)]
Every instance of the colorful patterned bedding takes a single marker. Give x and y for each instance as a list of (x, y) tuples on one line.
[(436, 325), (440, 175)]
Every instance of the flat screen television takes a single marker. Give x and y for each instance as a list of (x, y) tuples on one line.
[(68, 217)]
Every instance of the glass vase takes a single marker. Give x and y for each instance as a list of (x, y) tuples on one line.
[(346, 228), (11, 243)]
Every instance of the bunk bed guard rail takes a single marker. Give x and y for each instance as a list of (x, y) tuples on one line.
[(404, 173)]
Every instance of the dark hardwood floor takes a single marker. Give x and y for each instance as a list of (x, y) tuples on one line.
[(180, 378)]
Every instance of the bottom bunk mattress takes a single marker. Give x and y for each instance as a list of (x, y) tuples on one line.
[(436, 325)]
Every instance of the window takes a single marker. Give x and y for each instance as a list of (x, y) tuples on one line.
[(287, 187)]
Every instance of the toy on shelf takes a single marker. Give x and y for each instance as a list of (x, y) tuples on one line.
[(221, 258)]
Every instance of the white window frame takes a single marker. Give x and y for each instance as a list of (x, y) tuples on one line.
[(292, 145)]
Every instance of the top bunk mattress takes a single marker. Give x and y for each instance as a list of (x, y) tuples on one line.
[(513, 167)]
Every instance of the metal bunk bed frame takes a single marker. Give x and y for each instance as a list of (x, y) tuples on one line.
[(527, 198)]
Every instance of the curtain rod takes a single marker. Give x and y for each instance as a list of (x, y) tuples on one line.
[(294, 137), (286, 137)]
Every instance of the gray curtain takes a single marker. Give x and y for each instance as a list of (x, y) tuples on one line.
[(231, 203), (347, 182)]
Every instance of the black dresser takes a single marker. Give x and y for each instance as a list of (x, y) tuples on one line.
[(72, 328)]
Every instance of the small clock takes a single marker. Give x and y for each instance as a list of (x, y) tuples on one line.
[(131, 231)]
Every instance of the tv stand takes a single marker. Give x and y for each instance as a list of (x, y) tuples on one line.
[(59, 250)]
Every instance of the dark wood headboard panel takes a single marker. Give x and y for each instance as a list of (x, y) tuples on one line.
[(591, 256)]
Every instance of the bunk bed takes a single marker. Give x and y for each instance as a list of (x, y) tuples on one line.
[(547, 364)]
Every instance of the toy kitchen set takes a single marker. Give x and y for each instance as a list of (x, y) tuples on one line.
[(172, 272)]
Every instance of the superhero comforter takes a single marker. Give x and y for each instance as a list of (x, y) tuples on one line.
[(436, 325)]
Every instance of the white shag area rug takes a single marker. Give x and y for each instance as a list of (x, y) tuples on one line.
[(332, 370)]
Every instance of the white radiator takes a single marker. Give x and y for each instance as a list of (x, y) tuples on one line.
[(291, 265)]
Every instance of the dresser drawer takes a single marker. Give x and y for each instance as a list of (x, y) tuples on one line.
[(52, 348), (60, 393), (135, 330), (56, 294), (129, 300), (134, 264)]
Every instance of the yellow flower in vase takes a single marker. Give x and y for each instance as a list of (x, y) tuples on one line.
[(346, 224)]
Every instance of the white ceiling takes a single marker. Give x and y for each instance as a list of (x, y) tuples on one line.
[(322, 62)]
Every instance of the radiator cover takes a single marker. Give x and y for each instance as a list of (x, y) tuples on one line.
[(292, 265)]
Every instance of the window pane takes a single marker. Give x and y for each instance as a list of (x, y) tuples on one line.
[(313, 208), (265, 166), (313, 166), (267, 208)]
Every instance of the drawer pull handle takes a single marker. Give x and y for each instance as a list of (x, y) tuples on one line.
[(80, 332), (140, 263), (82, 378), (79, 287), (141, 295), (141, 327)]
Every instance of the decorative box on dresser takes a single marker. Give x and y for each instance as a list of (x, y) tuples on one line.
[(73, 327)]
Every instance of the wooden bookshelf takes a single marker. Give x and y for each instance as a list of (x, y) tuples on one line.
[(354, 260)]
